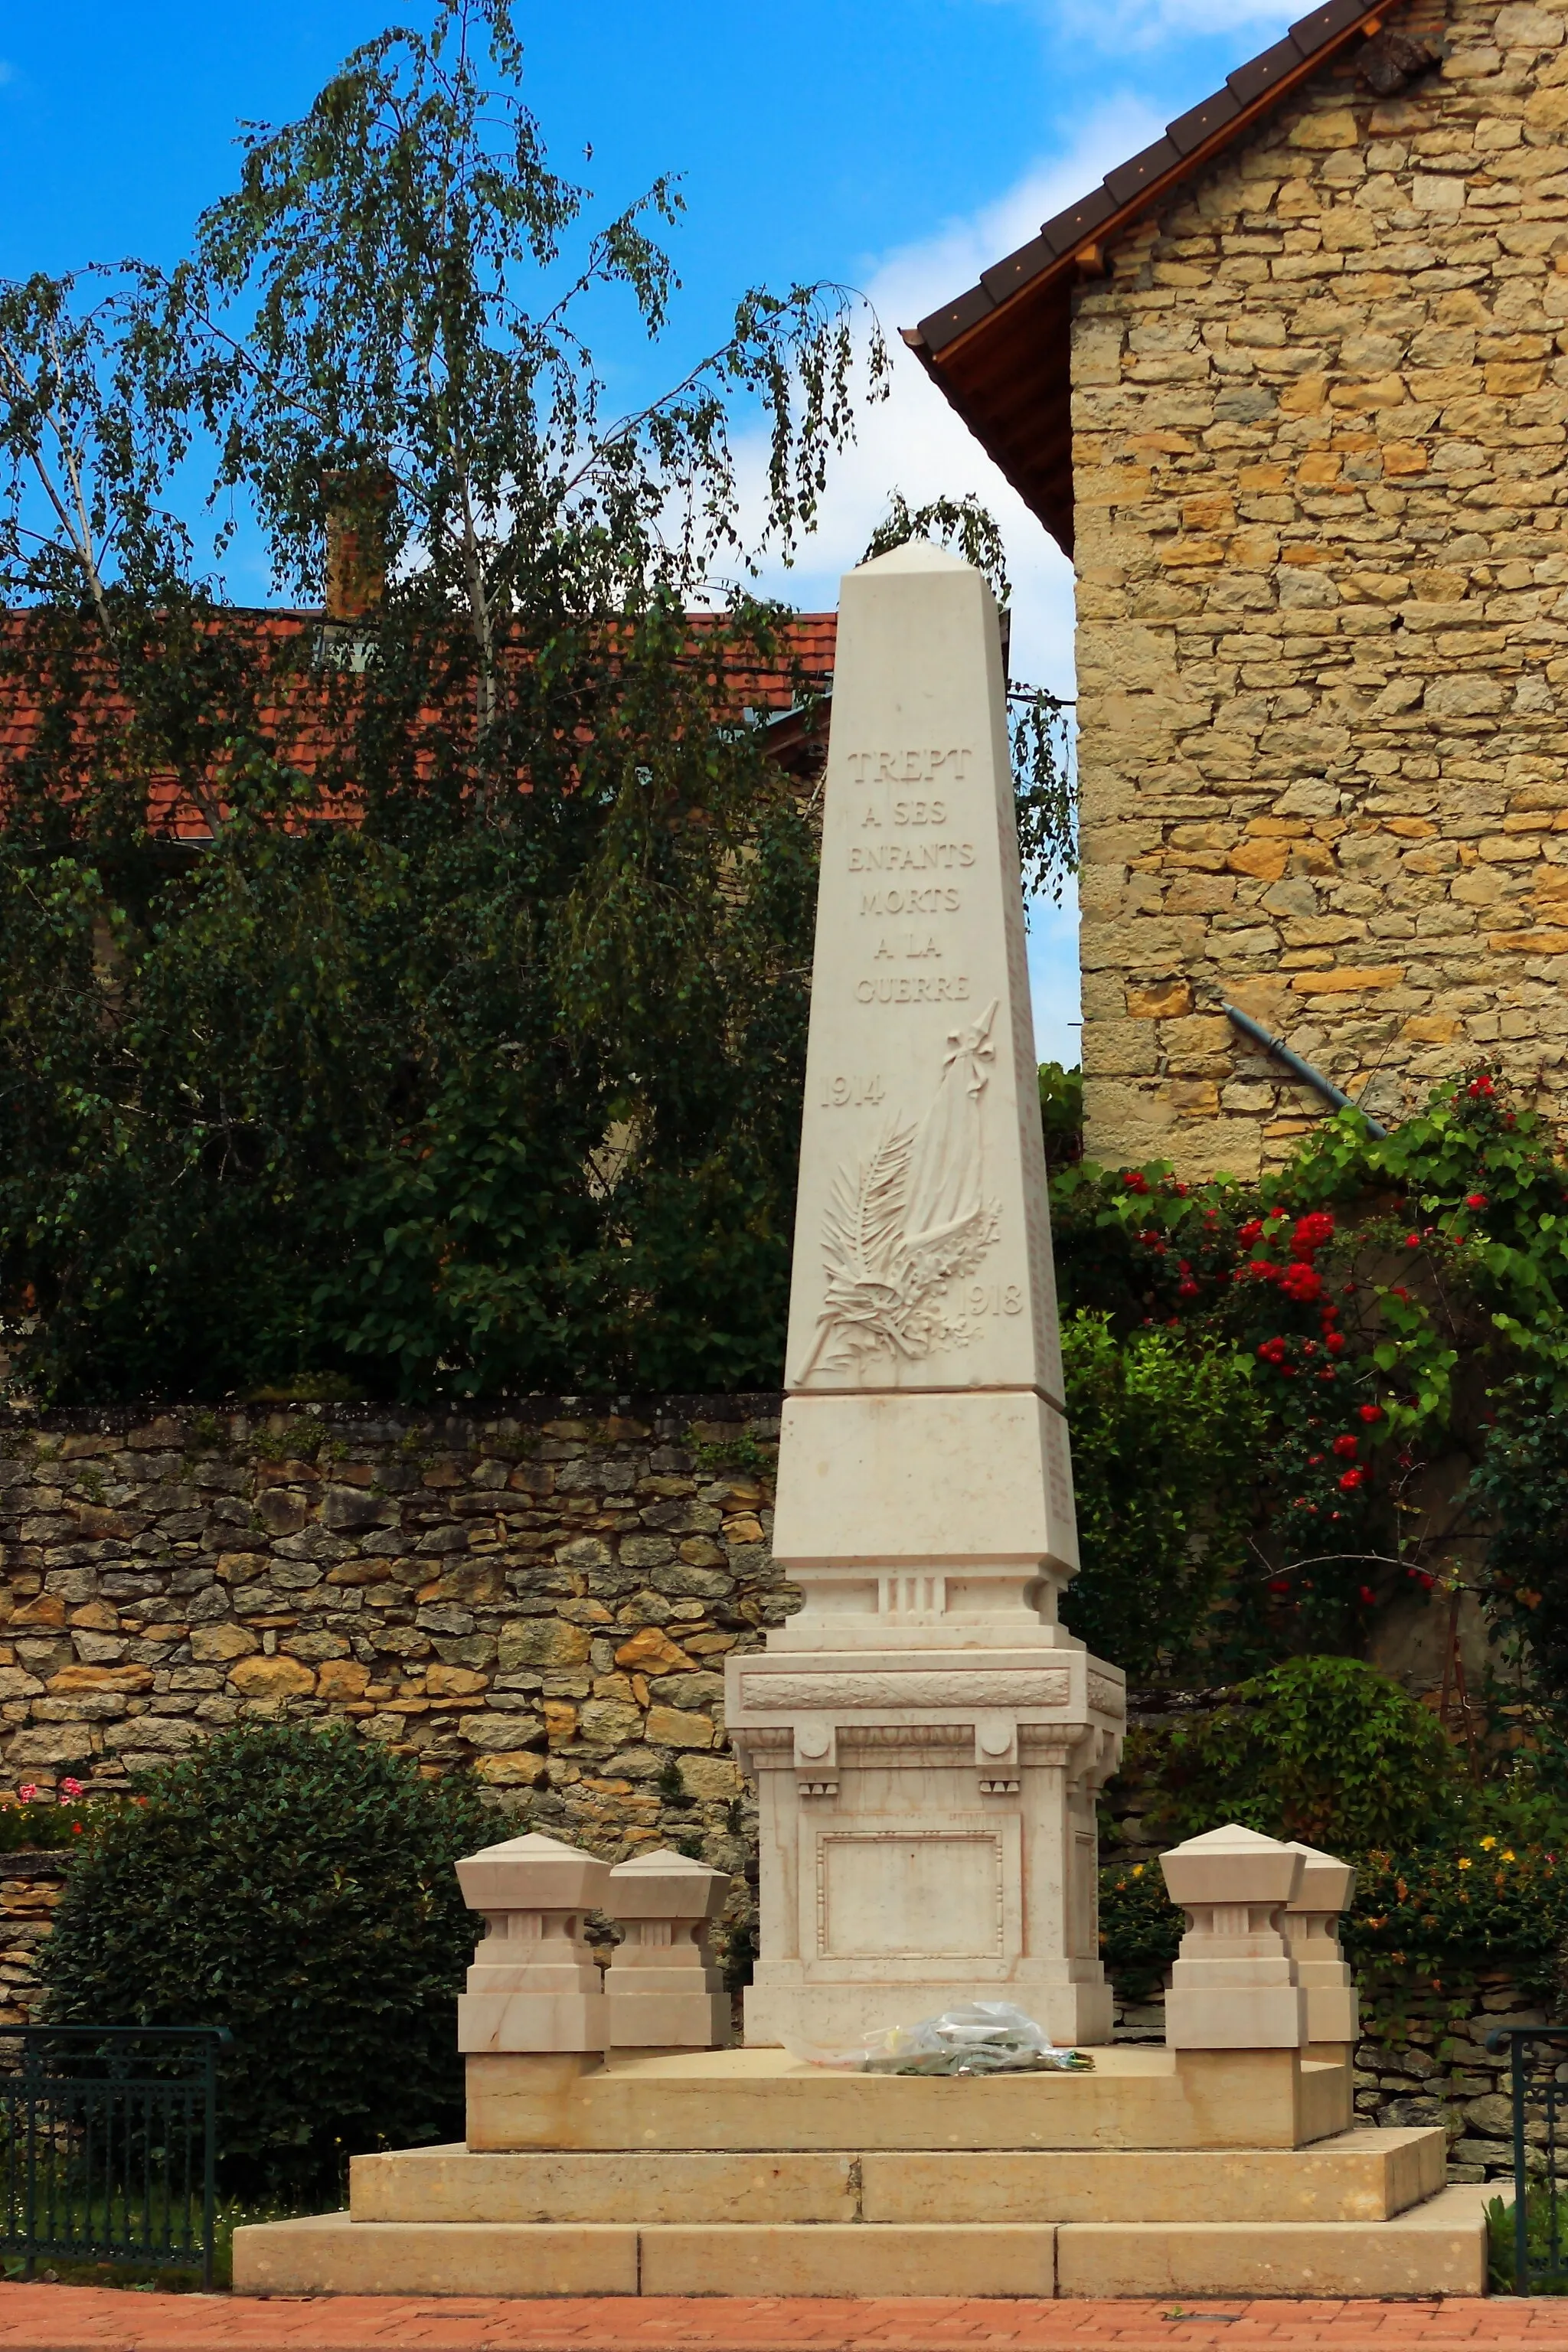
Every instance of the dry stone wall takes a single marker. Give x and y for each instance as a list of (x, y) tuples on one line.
[(1321, 411), (1424, 2073), (546, 1594)]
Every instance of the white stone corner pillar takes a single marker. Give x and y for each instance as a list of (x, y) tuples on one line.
[(535, 1984), (664, 1993), (1312, 1933), (1234, 1986)]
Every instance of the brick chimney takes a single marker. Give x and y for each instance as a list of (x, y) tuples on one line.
[(357, 499)]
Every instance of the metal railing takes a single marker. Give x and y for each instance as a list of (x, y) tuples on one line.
[(1538, 2086), (108, 2144)]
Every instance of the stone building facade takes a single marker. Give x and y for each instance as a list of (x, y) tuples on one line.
[(1318, 427)]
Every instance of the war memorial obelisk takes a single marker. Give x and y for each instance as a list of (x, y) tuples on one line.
[(926, 1737)]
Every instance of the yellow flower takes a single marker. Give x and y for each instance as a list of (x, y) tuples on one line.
[(1507, 1855), (1464, 1862), (1138, 1869), (1486, 1844)]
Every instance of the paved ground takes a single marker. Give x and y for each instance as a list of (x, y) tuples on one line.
[(106, 2319)]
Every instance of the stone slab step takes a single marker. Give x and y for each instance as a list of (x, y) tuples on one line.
[(1437, 2248), (764, 2099), (1364, 2175)]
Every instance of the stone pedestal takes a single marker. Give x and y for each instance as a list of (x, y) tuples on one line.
[(926, 1738), (928, 1836), (664, 1993), (1234, 1985), (1312, 1934), (535, 1984)]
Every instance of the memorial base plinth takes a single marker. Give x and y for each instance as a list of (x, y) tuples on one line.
[(745, 2172), (836, 2017)]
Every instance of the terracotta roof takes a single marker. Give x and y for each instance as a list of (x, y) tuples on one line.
[(1001, 352), (299, 722)]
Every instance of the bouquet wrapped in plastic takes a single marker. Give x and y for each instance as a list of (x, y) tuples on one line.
[(974, 2037)]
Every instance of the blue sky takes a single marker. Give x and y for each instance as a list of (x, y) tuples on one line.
[(897, 145)]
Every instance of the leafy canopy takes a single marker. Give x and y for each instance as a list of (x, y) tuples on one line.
[(495, 1086)]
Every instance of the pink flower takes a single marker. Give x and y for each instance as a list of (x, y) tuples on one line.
[(69, 1789), (27, 1791)]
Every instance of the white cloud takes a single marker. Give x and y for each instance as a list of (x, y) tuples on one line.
[(913, 442), (1117, 26)]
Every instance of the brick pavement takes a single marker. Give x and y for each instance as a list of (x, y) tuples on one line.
[(41, 2318)]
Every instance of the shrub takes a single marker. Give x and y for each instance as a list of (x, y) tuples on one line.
[(1164, 1433), (1325, 1750), (1140, 1928), (1423, 1926), (297, 1886)]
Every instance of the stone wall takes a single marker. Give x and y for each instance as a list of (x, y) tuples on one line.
[(547, 1594), (1320, 412), (1423, 2073)]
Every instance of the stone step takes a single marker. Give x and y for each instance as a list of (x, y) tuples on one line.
[(764, 2099), (1437, 2248), (1358, 2176)]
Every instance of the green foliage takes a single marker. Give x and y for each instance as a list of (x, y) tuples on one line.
[(1163, 1435), (1140, 1928), (48, 1824), (1325, 1750), (1426, 1921), (1546, 2225), (1424, 1927), (1061, 1114), (497, 1087), (296, 1885), (1522, 1483), (1394, 1296)]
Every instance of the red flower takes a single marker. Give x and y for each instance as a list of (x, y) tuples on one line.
[(1311, 1232), (1335, 1343), (1135, 1182), (1397, 1290), (1475, 1199), (1480, 1088), (1278, 1584), (1188, 1289), (1249, 1232), (1261, 1269), (1327, 1315), (1370, 1412), (1272, 1351), (1412, 1241), (1351, 1480), (1314, 1461), (1349, 1445), (1367, 1596), (1301, 1282)]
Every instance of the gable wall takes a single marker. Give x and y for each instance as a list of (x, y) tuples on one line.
[(1320, 413)]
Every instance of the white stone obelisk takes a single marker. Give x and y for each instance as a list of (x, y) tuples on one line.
[(926, 1740)]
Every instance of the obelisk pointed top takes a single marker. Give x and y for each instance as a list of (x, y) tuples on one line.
[(914, 555)]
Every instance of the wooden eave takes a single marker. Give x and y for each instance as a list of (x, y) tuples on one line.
[(1001, 352)]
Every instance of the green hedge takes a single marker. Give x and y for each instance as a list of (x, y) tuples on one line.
[(296, 1885)]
